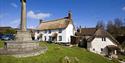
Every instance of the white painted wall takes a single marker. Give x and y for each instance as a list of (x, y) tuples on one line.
[(97, 44), (50, 34), (69, 32), (36, 35), (66, 33)]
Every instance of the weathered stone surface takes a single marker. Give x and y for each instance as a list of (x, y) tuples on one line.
[(21, 46), (23, 36), (23, 15), (25, 53)]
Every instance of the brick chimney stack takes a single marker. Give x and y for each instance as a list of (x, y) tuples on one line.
[(40, 21), (69, 15)]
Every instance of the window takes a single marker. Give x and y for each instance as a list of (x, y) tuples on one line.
[(45, 31), (50, 38), (37, 31), (45, 38), (101, 49), (60, 38), (60, 30), (103, 39), (49, 31)]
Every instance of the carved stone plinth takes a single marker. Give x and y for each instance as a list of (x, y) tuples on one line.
[(23, 36)]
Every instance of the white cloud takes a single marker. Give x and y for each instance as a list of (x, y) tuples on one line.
[(32, 27), (15, 23), (123, 8), (14, 5), (34, 15)]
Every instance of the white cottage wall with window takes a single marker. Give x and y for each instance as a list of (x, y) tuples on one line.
[(46, 34), (98, 45), (65, 35), (65, 24), (69, 32)]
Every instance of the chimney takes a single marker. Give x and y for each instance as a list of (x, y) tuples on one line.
[(80, 29), (69, 15), (40, 21)]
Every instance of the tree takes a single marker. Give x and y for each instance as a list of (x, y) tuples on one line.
[(100, 24), (118, 22), (111, 28), (10, 31), (117, 29)]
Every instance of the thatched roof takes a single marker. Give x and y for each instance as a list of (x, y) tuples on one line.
[(56, 24), (112, 47), (86, 32), (94, 32)]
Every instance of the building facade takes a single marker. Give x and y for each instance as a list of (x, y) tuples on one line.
[(59, 30), (98, 41)]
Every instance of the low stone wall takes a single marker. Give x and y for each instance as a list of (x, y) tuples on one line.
[(21, 46), (19, 54), (32, 53), (22, 49)]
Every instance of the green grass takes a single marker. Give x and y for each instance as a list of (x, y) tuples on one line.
[(56, 53), (1, 44), (122, 58)]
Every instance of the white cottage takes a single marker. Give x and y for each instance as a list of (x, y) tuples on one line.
[(59, 30), (102, 43), (99, 41)]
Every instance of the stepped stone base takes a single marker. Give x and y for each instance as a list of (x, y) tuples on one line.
[(23, 36), (22, 46)]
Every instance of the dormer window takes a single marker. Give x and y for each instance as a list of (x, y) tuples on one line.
[(49, 31), (37, 31), (60, 30), (45, 31), (103, 39)]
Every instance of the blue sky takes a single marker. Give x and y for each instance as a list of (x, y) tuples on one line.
[(85, 12)]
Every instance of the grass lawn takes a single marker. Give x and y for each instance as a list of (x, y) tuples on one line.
[(121, 57), (56, 53), (1, 44)]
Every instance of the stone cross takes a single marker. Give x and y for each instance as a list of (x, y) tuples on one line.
[(23, 15)]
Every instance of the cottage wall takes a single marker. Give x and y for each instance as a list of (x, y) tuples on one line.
[(69, 32), (99, 46), (47, 34), (66, 34)]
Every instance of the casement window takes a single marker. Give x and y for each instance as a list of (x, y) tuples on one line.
[(49, 31), (60, 30), (103, 39), (38, 31), (45, 38), (50, 38), (45, 31), (101, 49), (60, 38)]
